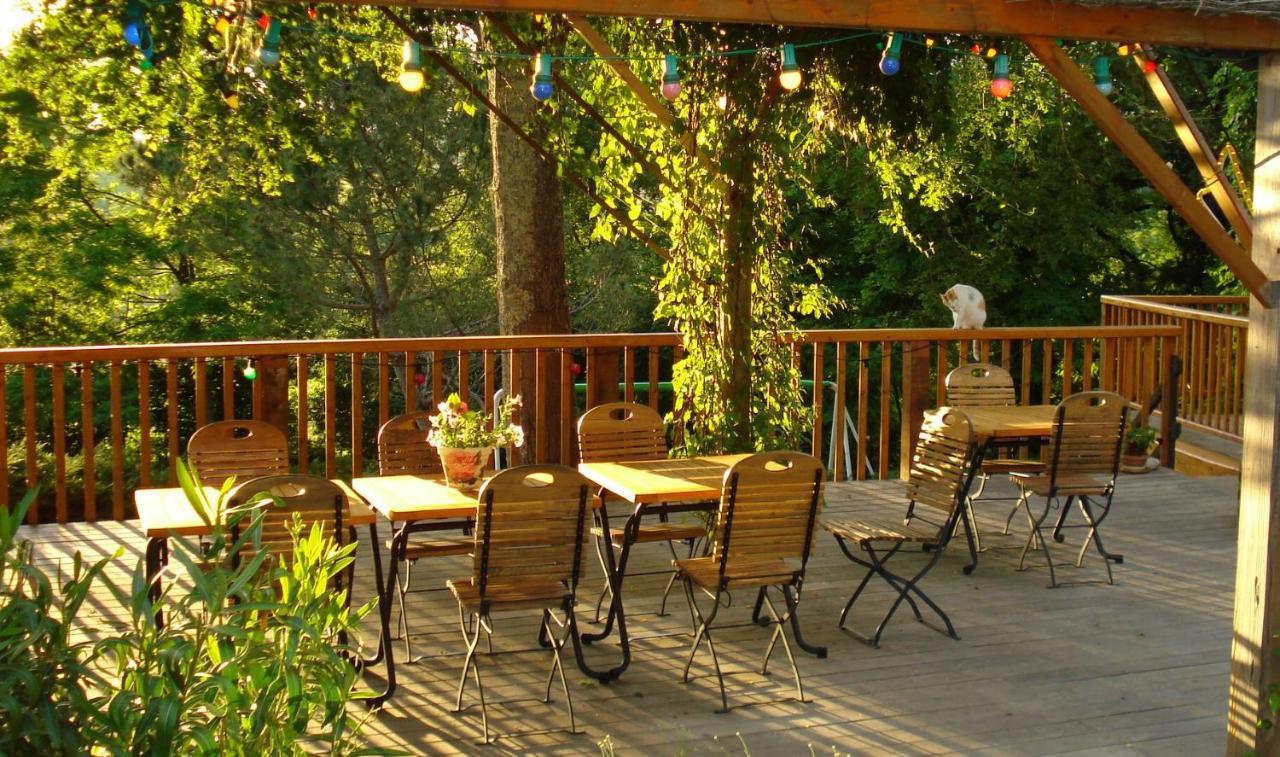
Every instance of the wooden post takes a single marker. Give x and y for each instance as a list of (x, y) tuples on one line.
[(916, 395), (1253, 659), (273, 389)]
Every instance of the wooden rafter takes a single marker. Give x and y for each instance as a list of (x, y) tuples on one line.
[(1201, 151), (1113, 124), (524, 136), (994, 18)]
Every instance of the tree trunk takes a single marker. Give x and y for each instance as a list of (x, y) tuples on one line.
[(529, 223), (735, 310)]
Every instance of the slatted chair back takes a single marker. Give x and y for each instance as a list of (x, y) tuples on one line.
[(768, 509), (940, 464), (620, 431), (244, 449), (1088, 431), (530, 526), (315, 499), (403, 448), (980, 385)]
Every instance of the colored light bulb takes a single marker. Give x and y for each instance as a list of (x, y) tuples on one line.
[(1149, 66), (250, 372), (312, 12), (992, 51), (542, 86), (975, 48), (133, 26), (670, 78), (133, 33), (411, 77), (1001, 87), (790, 77), (891, 59), (1102, 75), (1122, 50), (233, 102)]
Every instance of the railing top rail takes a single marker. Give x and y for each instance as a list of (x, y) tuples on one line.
[(122, 353), (1177, 311), (1173, 299)]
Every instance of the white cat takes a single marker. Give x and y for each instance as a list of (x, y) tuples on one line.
[(968, 309)]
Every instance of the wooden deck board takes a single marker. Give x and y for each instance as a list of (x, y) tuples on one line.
[(1136, 668)]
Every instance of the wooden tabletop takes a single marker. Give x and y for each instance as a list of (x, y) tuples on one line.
[(411, 498), (168, 511), (654, 481), (1013, 422)]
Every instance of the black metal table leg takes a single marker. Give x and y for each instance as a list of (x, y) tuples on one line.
[(617, 614), (156, 557), (399, 540), (979, 454)]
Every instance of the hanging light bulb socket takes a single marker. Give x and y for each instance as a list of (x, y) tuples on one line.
[(670, 78), (543, 86), (412, 78), (1001, 86), (1102, 75), (891, 58), (790, 76), (270, 52)]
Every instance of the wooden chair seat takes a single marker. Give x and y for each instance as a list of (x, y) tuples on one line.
[(705, 572), (423, 545), (656, 532), (511, 595), (1068, 485), (886, 527)]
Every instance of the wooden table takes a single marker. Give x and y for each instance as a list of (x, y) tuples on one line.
[(999, 426), (166, 512), (649, 485)]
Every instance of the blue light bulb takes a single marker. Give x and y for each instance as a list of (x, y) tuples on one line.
[(269, 56), (890, 66), (542, 90), (543, 85), (132, 33)]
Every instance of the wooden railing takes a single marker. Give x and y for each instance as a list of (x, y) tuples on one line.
[(121, 415), (1211, 341)]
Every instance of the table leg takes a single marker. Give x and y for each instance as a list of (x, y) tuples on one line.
[(156, 557), (979, 454), (385, 585), (617, 614)]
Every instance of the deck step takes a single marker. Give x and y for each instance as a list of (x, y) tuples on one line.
[(1195, 460)]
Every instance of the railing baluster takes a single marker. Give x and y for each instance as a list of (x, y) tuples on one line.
[(628, 375), (201, 390), (330, 416), (117, 443), (144, 421), (886, 385), (357, 413), (1004, 354), (490, 368), (60, 441), (816, 441), (1046, 371), (86, 442), (304, 417), (567, 402), (410, 384), (437, 377), (593, 366), (837, 413), (1086, 367), (4, 438), (1025, 395), (940, 377), (864, 398), (228, 389), (653, 378), (540, 405), (384, 387), (1068, 367), (513, 380), (171, 417), (29, 439), (464, 375)]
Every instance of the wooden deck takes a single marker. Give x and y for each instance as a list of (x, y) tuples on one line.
[(1136, 668)]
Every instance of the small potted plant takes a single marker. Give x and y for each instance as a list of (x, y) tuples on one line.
[(1139, 441), (465, 443)]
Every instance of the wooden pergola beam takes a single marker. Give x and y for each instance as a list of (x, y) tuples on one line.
[(1215, 178), (1113, 124), (996, 18)]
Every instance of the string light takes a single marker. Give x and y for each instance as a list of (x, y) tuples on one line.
[(991, 51), (411, 77), (790, 77), (670, 78), (891, 59), (975, 48), (1149, 65), (1102, 75), (312, 12), (1122, 50), (929, 42), (270, 52), (250, 372), (1000, 84), (542, 86), (134, 27)]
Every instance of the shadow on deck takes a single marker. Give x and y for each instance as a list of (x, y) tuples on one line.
[(1136, 668)]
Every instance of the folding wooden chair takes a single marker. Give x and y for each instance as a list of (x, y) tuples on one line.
[(403, 450), (315, 499), (627, 431), (530, 524), (763, 537), (986, 385), (941, 472), (243, 449), (1083, 460)]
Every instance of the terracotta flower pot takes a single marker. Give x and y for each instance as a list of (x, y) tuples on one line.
[(465, 467)]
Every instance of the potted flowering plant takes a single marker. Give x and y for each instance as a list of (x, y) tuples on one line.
[(1139, 440), (464, 441)]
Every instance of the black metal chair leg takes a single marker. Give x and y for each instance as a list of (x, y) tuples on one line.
[(1062, 520)]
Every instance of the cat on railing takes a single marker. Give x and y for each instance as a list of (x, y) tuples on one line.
[(968, 309)]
